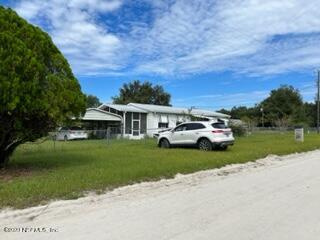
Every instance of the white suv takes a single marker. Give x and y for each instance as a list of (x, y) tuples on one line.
[(204, 135)]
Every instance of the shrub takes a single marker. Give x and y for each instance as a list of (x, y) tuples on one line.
[(238, 130)]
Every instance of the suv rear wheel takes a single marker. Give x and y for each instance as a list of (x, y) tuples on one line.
[(205, 145), (164, 143)]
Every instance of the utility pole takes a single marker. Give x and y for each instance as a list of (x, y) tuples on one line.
[(318, 103)]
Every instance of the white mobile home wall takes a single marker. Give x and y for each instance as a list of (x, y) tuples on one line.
[(153, 120)]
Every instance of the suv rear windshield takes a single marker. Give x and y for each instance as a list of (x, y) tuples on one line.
[(219, 125)]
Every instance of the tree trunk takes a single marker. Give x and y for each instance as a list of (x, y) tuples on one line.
[(4, 158), (8, 139), (6, 151)]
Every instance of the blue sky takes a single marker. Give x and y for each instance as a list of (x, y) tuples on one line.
[(208, 54)]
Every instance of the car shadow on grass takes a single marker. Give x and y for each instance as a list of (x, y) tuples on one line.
[(214, 149)]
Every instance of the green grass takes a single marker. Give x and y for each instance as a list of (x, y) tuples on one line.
[(39, 173)]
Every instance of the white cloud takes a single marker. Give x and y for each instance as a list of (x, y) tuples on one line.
[(218, 101), (73, 25), (95, 5), (184, 36), (204, 36), (287, 55)]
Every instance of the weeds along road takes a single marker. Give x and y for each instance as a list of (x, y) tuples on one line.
[(273, 198)]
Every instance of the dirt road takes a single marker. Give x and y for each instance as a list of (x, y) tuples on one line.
[(273, 198)]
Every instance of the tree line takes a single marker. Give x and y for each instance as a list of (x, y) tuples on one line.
[(284, 107)]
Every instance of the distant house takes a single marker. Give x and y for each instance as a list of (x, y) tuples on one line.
[(136, 120)]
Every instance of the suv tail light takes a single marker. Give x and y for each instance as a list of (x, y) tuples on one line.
[(217, 131)]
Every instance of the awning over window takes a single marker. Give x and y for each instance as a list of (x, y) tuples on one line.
[(163, 119)]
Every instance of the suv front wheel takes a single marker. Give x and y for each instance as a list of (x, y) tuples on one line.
[(164, 143), (205, 145)]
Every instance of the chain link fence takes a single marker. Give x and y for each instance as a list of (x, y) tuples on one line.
[(279, 129), (116, 133), (58, 140), (110, 133)]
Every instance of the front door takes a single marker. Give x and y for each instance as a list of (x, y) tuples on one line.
[(136, 128)]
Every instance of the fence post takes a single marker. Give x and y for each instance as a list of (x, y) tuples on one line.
[(54, 138), (108, 135)]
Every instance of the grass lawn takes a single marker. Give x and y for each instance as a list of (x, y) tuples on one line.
[(38, 173)]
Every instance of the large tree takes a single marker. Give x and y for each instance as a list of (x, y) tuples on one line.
[(145, 92), (37, 87), (311, 113), (284, 107), (92, 101), (249, 115)]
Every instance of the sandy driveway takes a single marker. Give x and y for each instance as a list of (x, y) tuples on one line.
[(273, 198)]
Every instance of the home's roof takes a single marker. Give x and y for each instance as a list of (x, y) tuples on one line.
[(123, 108), (207, 113), (176, 110), (159, 108), (145, 108)]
